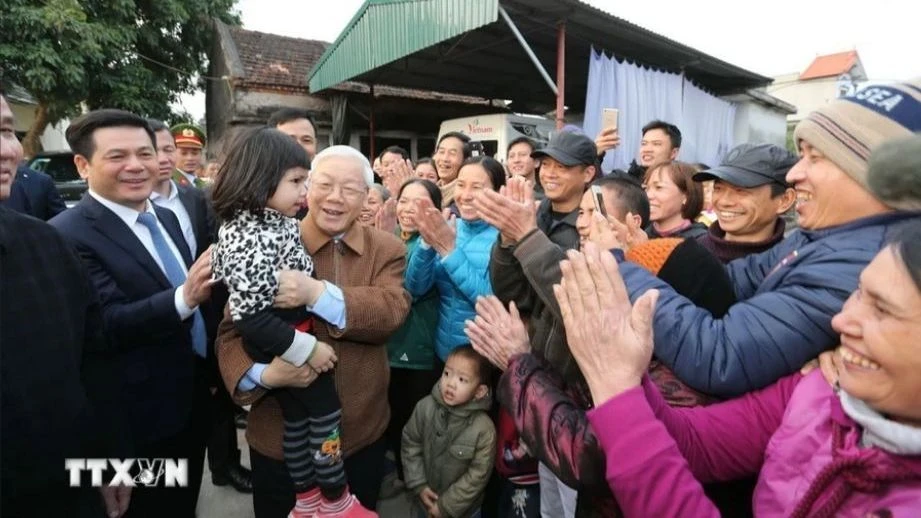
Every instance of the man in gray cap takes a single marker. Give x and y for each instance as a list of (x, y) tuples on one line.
[(525, 262), (750, 193)]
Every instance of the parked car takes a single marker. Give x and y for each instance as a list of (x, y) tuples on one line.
[(60, 166)]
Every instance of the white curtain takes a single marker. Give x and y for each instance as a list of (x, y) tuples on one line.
[(642, 95), (706, 126)]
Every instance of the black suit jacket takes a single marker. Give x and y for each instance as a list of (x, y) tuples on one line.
[(151, 347), (52, 359), (195, 203), (35, 194)]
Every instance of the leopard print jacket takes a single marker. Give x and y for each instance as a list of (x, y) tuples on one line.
[(251, 249)]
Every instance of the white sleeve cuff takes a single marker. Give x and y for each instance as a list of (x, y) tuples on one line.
[(301, 348), (182, 308)]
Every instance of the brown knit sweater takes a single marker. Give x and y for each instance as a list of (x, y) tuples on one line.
[(367, 265)]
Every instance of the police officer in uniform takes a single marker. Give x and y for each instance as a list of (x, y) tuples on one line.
[(190, 144)]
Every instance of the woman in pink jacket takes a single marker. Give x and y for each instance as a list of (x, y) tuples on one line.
[(849, 450)]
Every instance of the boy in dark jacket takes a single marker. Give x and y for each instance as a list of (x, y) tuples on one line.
[(449, 443)]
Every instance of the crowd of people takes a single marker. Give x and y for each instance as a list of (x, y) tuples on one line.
[(534, 338)]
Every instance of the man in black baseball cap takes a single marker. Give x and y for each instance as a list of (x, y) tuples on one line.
[(750, 193), (570, 149), (525, 262)]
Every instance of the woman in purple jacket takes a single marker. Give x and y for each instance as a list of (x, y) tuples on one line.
[(849, 450)]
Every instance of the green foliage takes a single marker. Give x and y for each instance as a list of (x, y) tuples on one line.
[(138, 55)]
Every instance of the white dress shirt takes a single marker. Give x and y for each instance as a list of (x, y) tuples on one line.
[(130, 217), (173, 203)]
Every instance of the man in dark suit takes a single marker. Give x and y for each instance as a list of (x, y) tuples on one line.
[(154, 299), (35, 194), (299, 125), (198, 226), (51, 344), (187, 203)]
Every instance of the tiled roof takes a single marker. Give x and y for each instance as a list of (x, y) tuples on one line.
[(282, 62), (832, 65), (273, 60)]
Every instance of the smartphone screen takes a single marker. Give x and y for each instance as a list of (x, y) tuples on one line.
[(599, 200), (609, 118)]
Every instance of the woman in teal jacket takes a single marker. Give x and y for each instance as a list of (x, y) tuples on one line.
[(412, 347), (453, 256)]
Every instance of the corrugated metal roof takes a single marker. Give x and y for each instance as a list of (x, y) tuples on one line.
[(461, 46), (409, 26)]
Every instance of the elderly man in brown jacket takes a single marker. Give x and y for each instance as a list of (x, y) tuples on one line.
[(357, 304)]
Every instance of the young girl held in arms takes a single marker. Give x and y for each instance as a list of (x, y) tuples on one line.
[(257, 192)]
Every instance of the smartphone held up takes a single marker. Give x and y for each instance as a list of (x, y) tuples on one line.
[(609, 118), (599, 200)]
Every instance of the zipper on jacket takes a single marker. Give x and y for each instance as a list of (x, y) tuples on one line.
[(337, 251), (549, 341), (337, 247)]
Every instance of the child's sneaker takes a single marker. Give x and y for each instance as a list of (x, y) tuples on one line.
[(306, 505), (347, 506), (301, 513)]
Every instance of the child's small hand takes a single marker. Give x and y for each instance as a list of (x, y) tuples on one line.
[(323, 358), (434, 512), (429, 499)]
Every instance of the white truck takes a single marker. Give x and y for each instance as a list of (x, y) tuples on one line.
[(495, 131)]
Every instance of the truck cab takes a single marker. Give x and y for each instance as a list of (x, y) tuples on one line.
[(495, 131)]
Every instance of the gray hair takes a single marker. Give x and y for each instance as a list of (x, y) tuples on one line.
[(346, 152), (385, 194)]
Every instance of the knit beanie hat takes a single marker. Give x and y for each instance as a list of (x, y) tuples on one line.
[(690, 269), (894, 173), (848, 129)]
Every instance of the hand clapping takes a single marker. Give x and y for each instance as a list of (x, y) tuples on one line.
[(609, 338), (497, 334), (435, 227), (386, 218), (511, 210), (396, 175)]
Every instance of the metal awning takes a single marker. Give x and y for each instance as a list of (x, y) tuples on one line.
[(467, 47)]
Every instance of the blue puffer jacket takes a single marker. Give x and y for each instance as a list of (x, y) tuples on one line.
[(787, 297), (460, 278)]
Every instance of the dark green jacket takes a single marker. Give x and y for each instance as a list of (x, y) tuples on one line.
[(451, 450), (412, 346), (526, 272)]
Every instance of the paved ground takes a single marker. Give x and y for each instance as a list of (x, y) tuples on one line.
[(225, 502)]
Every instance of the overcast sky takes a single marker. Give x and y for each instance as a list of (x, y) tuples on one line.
[(769, 38)]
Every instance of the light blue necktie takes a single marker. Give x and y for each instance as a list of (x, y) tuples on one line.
[(176, 276)]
